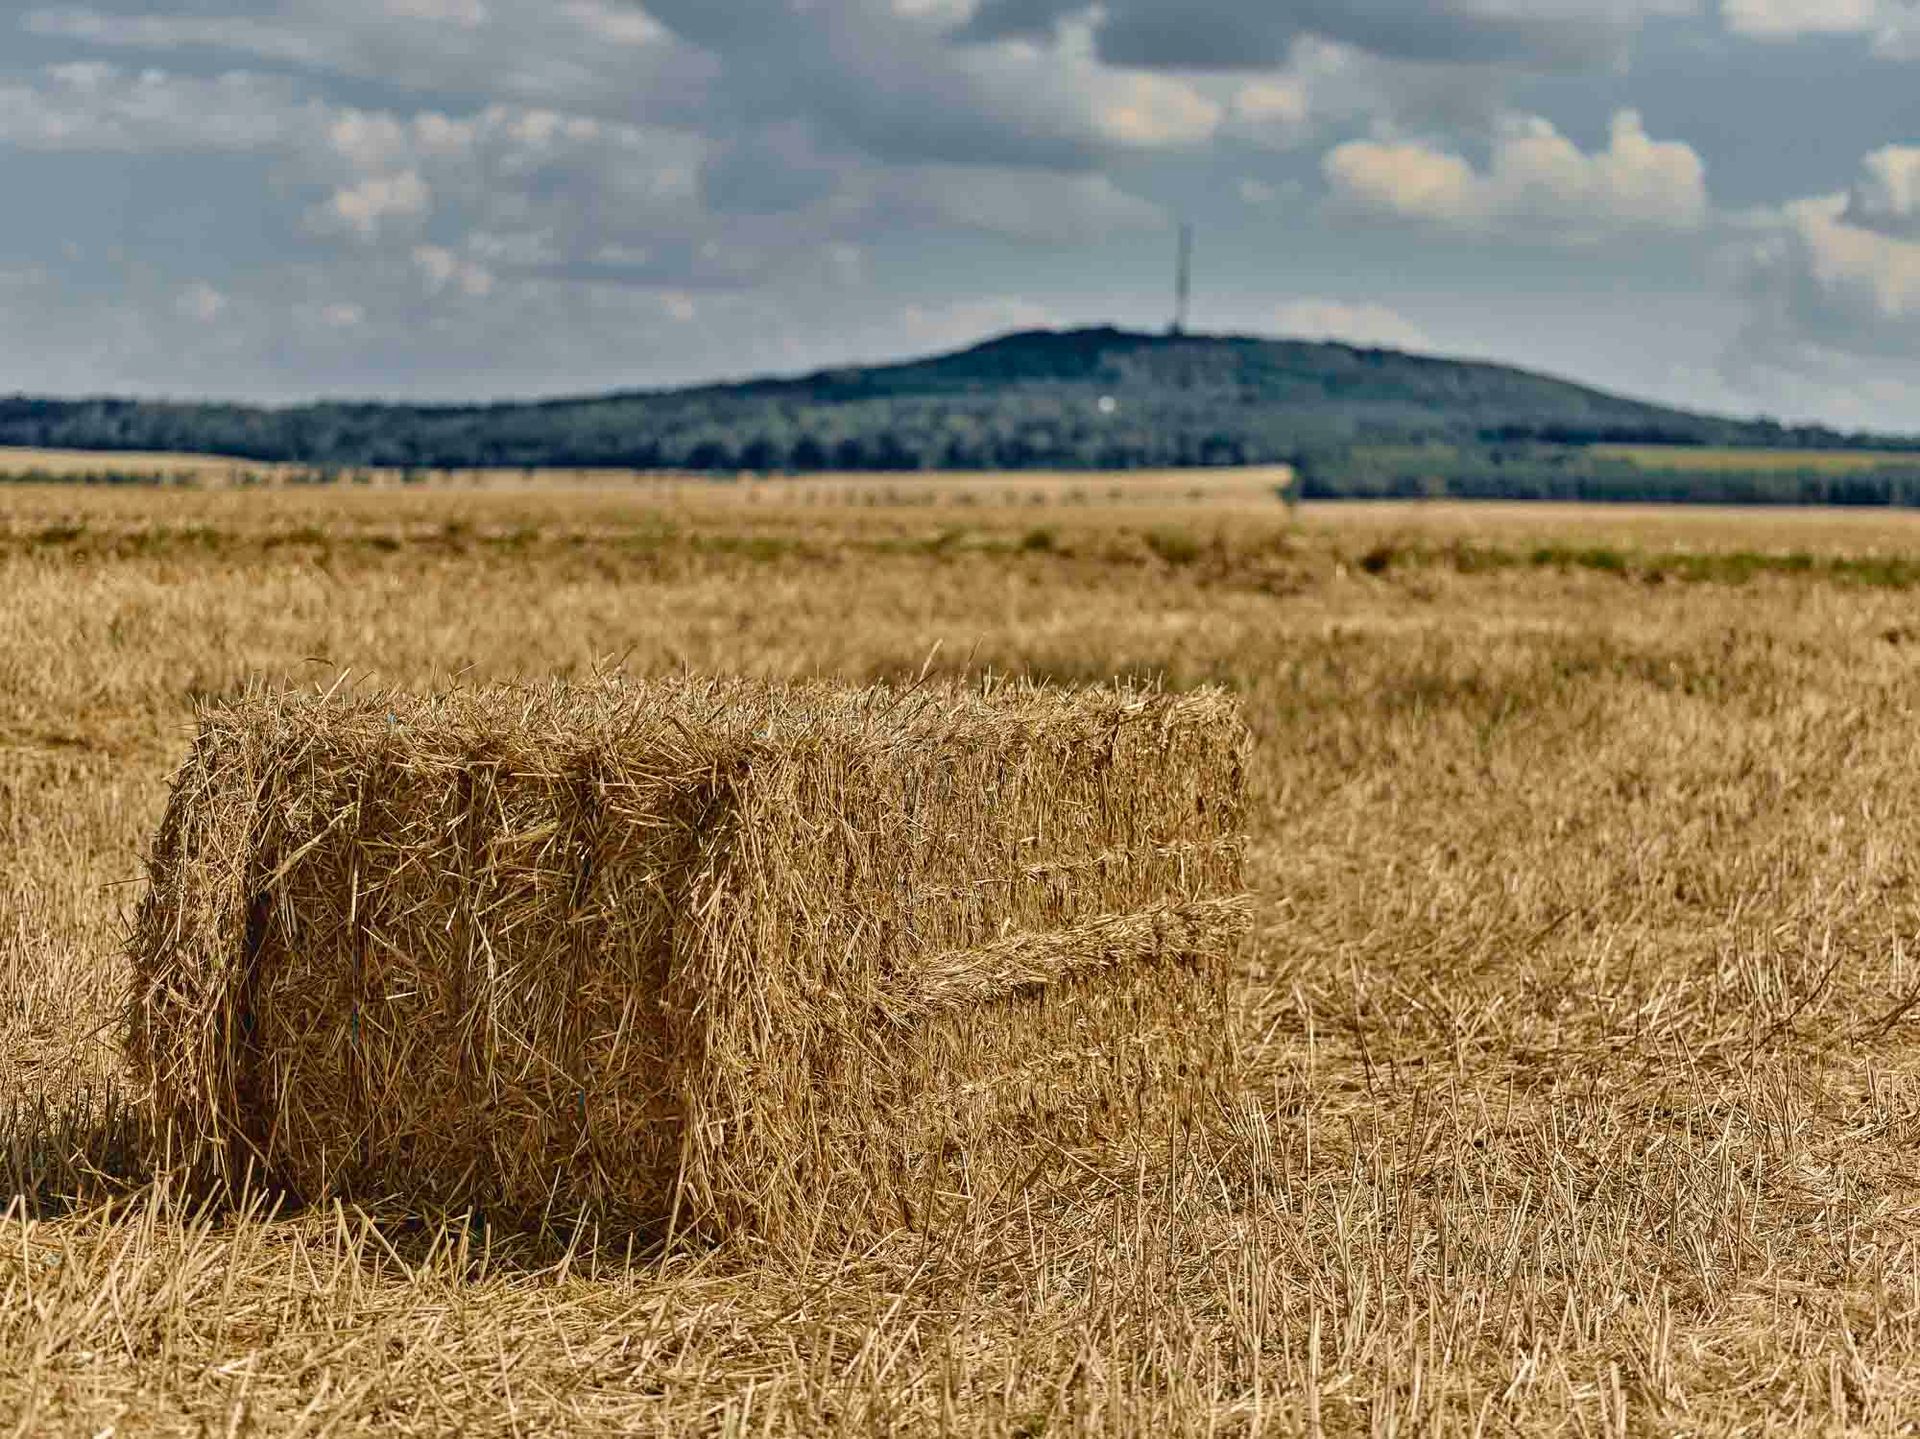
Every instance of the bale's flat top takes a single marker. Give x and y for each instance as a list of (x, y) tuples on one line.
[(687, 720)]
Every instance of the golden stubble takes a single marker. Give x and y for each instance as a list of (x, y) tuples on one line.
[(1581, 1084)]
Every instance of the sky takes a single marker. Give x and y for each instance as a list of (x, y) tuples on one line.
[(1714, 203)]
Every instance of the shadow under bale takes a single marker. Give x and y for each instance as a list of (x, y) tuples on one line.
[(749, 960), (61, 1153)]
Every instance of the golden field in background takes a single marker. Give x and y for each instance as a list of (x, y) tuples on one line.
[(1582, 1023), (1241, 483)]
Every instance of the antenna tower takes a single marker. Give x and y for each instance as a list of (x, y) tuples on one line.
[(1183, 281)]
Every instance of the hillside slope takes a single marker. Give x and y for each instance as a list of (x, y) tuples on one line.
[(1038, 399)]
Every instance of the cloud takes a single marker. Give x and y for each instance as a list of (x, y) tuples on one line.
[(1326, 86), (993, 20), (342, 315), (241, 33), (1018, 204), (442, 270), (1146, 112), (535, 189), (1842, 270), (1892, 25), (1865, 279), (1279, 106), (905, 95), (1320, 83), (963, 322), (1832, 285), (606, 56), (882, 79), (1789, 18), (1258, 34), (466, 13), (1886, 196), (201, 303), (1539, 184), (1365, 323), (379, 203), (93, 106), (614, 23)]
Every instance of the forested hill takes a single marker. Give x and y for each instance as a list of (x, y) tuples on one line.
[(1042, 399)]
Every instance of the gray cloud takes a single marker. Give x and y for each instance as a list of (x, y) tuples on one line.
[(886, 80), (1821, 281), (605, 57), (1885, 197), (1892, 27), (1832, 285), (1019, 19), (94, 106), (1258, 34), (866, 76)]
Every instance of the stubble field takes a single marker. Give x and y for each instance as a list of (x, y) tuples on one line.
[(1582, 1026)]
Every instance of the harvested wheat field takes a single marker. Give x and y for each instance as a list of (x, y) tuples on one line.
[(1578, 1024)]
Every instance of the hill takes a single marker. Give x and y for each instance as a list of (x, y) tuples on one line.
[(1355, 420)]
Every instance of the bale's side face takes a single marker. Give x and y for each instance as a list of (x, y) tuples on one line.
[(966, 936), (187, 1026), (457, 987), (769, 957), (421, 949)]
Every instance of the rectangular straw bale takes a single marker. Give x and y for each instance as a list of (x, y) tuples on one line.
[(750, 955)]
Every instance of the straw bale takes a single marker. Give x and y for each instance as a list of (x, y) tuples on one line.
[(748, 958)]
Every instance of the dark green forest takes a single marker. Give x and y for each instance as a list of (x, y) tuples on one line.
[(1354, 421)]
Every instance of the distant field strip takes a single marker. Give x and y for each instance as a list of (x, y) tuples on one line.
[(1716, 460), (1265, 483)]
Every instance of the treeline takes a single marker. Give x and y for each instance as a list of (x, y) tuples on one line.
[(1036, 429), (1546, 472), (1075, 400), (1039, 427), (1047, 427)]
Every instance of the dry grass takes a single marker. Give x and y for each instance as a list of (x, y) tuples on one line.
[(1242, 484), (1261, 486), (19, 461), (23, 463), (1583, 1052)]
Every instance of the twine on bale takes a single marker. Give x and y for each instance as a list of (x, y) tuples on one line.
[(750, 955)]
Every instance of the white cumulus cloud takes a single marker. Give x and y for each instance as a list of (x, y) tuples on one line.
[(94, 106), (468, 13), (1892, 25), (1786, 18), (1854, 268), (1887, 194), (1152, 112), (442, 271), (201, 303), (1538, 182), (376, 204), (1832, 284), (1365, 323), (343, 315)]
